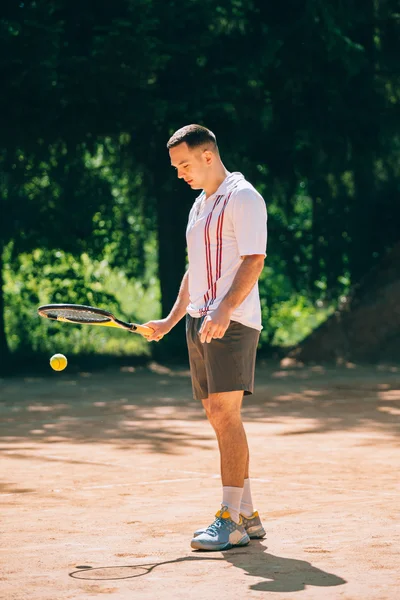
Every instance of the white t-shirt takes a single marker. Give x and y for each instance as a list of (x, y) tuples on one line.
[(221, 229)]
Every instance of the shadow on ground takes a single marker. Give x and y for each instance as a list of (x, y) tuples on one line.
[(277, 573), (147, 407)]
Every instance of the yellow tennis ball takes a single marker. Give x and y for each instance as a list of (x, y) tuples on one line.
[(58, 362)]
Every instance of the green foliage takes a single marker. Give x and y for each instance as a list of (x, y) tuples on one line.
[(294, 319), (124, 225), (44, 277), (307, 107), (288, 316)]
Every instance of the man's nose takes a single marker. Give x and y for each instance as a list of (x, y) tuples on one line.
[(180, 174)]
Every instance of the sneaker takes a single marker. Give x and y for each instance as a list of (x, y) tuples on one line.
[(222, 534), (252, 525)]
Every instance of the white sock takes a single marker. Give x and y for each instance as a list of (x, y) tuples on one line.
[(231, 497), (246, 505)]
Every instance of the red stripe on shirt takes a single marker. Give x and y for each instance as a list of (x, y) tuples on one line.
[(218, 259), (219, 241), (207, 242)]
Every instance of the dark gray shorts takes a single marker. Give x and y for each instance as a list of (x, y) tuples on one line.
[(223, 365)]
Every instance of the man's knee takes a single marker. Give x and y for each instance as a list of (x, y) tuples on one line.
[(223, 409), (206, 406)]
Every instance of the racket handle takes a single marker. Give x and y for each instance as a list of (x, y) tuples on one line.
[(142, 329)]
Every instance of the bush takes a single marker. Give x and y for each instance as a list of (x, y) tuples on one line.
[(44, 277)]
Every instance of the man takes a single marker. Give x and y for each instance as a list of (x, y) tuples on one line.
[(226, 239)]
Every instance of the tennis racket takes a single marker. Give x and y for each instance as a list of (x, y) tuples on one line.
[(80, 314)]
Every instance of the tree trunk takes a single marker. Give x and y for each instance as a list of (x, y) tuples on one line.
[(172, 220), (367, 327), (4, 350)]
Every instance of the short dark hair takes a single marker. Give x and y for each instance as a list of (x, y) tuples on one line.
[(193, 135)]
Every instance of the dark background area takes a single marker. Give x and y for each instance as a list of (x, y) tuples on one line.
[(304, 100)]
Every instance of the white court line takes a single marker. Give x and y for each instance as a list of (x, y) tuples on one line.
[(370, 498), (116, 464), (107, 464), (55, 457), (199, 475), (111, 485), (108, 486)]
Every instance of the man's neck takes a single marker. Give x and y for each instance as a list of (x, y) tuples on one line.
[(216, 181)]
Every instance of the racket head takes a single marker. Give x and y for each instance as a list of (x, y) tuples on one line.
[(81, 314), (75, 313)]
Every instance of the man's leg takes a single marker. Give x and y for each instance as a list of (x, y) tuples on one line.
[(246, 473), (246, 506), (228, 362), (223, 413)]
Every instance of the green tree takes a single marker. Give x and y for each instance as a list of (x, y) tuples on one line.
[(59, 108), (303, 97)]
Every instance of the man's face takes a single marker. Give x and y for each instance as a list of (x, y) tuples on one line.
[(192, 164)]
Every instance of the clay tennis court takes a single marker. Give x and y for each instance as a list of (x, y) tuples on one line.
[(105, 476)]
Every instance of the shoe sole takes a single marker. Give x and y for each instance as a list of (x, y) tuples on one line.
[(215, 548), (256, 535)]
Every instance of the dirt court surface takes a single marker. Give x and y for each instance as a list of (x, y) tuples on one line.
[(104, 476)]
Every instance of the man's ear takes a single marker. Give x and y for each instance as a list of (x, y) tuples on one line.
[(208, 155)]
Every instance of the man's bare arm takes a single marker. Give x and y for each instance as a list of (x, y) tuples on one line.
[(178, 311), (163, 326), (245, 279)]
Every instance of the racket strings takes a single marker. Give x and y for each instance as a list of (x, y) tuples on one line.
[(82, 316)]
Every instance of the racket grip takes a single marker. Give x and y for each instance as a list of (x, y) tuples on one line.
[(143, 330)]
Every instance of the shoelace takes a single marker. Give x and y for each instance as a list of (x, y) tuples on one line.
[(213, 528)]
